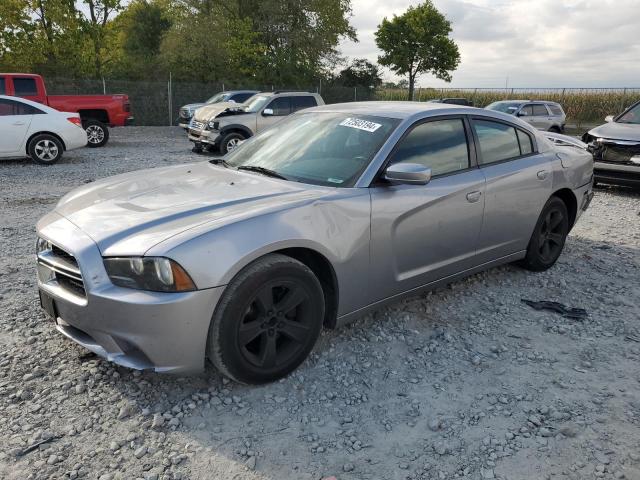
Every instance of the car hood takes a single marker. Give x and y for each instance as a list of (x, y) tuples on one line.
[(128, 214), (618, 131), (209, 111), (193, 106)]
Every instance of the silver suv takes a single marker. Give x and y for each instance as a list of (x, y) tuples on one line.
[(541, 114), (224, 127), (231, 96)]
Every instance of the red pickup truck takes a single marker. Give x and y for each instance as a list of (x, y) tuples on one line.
[(97, 112)]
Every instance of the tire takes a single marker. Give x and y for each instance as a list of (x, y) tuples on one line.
[(555, 129), (45, 149), (250, 340), (230, 141), (549, 236), (97, 133)]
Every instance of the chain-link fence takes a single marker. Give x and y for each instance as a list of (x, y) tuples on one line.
[(158, 102), (583, 106)]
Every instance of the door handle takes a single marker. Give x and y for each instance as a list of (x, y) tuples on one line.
[(542, 174), (473, 197), (18, 123)]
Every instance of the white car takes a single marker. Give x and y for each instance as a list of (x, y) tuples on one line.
[(30, 129)]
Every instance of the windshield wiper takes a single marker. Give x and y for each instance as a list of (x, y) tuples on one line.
[(262, 170)]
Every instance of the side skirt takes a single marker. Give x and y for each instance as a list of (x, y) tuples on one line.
[(350, 317)]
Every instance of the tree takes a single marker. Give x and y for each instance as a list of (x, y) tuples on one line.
[(95, 25), (418, 42), (361, 73)]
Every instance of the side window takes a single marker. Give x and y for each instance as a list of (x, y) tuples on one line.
[(527, 110), (497, 141), (3, 88), (555, 109), (299, 103), (540, 110), (526, 145), (24, 87), (11, 107), (281, 106), (440, 145)]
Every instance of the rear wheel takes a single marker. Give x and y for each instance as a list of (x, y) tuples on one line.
[(555, 129), (45, 149), (267, 321), (548, 238), (97, 133)]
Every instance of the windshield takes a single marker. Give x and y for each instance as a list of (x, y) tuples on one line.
[(631, 116), (217, 98), (255, 103), (321, 148), (504, 107)]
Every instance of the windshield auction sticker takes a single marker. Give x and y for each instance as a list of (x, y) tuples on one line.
[(360, 124)]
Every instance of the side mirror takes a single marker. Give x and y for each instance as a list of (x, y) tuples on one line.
[(608, 118), (267, 112), (409, 173)]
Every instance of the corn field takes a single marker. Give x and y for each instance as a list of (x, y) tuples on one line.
[(583, 106)]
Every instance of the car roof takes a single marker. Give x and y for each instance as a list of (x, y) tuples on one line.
[(286, 92), (240, 91), (389, 109), (522, 102)]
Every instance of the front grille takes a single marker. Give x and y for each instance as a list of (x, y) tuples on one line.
[(614, 152), (197, 125), (64, 269)]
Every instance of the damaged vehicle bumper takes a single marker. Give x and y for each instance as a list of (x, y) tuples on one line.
[(199, 134), (616, 161)]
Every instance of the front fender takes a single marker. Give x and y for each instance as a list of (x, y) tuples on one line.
[(337, 228), (237, 127)]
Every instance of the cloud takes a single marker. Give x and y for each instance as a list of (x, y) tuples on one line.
[(533, 43)]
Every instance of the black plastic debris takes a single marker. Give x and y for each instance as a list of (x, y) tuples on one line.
[(567, 312)]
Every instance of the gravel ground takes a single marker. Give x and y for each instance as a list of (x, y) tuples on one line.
[(464, 382)]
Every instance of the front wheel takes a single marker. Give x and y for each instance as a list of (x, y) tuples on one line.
[(45, 149), (549, 236), (267, 321), (97, 133), (230, 142)]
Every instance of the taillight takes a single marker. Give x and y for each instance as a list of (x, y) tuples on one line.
[(75, 121)]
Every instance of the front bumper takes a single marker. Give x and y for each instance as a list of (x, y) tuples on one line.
[(617, 174), (207, 137), (165, 332)]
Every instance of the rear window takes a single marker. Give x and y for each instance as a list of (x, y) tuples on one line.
[(24, 87), (556, 110), (497, 141), (299, 103), (3, 88), (11, 107)]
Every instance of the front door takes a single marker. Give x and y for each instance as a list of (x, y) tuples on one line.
[(277, 109), (518, 184), (15, 118), (423, 233)]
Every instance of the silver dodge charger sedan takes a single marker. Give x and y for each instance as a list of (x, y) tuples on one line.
[(337, 210)]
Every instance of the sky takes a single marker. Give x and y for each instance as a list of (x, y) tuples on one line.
[(523, 43)]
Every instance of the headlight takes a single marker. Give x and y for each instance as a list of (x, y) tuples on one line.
[(156, 274), (42, 245), (213, 125)]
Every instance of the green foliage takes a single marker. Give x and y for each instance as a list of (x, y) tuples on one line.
[(361, 72), (418, 42), (290, 42)]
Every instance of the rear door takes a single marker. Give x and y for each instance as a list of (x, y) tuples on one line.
[(280, 106), (15, 118), (518, 184), (541, 117), (422, 233)]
